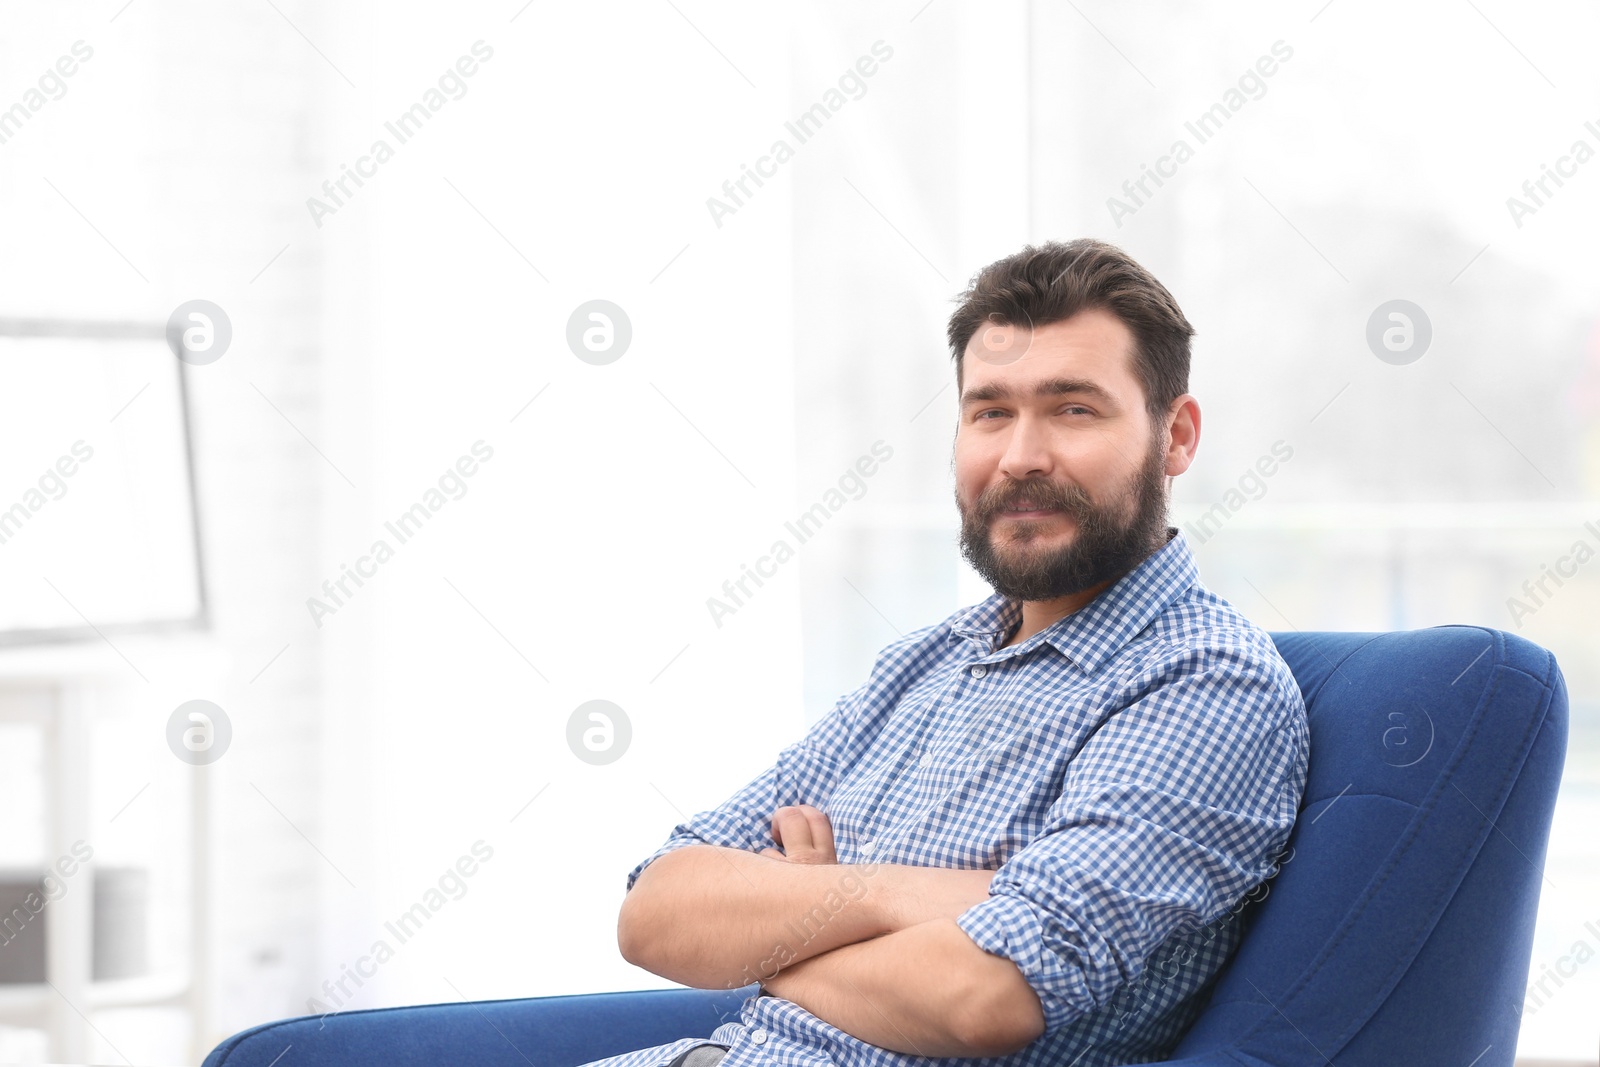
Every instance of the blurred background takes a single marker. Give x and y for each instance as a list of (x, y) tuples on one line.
[(513, 335)]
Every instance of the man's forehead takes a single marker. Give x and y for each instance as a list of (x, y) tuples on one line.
[(1013, 361), (1092, 332)]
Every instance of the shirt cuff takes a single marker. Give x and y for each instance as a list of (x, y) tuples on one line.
[(1011, 927), (672, 845)]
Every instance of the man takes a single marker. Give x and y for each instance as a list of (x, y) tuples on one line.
[(1026, 839)]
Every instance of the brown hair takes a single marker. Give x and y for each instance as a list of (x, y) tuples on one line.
[(1041, 285)]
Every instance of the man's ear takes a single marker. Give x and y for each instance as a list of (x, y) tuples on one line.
[(1183, 434)]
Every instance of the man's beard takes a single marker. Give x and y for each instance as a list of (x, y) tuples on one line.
[(1103, 546)]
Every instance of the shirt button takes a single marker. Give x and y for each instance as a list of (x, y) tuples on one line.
[(979, 671), (759, 1036), (927, 758), (866, 847)]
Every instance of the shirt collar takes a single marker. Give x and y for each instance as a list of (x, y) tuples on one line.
[(1090, 635)]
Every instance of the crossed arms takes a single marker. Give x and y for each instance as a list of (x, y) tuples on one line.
[(872, 949), (1167, 813)]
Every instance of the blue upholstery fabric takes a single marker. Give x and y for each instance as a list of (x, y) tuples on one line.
[(1398, 931)]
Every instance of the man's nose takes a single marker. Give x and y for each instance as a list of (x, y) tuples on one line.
[(1027, 451)]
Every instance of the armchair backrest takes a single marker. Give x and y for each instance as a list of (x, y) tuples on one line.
[(1399, 928)]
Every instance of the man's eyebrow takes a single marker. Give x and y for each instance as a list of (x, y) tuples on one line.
[(1049, 387)]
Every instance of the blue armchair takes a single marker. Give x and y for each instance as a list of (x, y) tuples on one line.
[(1398, 931)]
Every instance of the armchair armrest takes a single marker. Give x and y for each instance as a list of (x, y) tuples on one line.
[(558, 1031)]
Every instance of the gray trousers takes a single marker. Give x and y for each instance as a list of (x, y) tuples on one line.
[(700, 1056), (696, 1051)]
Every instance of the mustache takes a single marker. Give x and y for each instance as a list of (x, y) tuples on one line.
[(1071, 499)]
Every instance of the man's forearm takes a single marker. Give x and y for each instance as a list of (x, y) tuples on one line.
[(926, 990), (720, 918)]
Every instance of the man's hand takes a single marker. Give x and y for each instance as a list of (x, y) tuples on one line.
[(805, 834), (920, 893)]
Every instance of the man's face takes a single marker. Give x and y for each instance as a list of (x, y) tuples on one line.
[(1083, 450)]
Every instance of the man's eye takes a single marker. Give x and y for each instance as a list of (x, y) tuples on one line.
[(1074, 409)]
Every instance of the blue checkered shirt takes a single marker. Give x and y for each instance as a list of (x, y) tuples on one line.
[(1130, 772)]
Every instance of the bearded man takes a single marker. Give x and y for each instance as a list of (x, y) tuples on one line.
[(1027, 837)]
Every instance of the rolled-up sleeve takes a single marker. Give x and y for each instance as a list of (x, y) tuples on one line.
[(1173, 809), (805, 772)]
